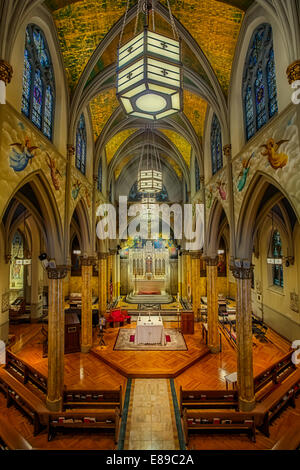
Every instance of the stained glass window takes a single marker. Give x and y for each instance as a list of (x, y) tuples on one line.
[(216, 145), (38, 95), (81, 145), (197, 175), (259, 81), (277, 253), (99, 181)]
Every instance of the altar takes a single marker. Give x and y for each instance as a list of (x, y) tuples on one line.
[(149, 330)]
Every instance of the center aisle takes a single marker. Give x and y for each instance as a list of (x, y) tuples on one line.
[(151, 421)]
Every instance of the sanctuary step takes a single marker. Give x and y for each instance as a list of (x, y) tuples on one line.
[(149, 298)]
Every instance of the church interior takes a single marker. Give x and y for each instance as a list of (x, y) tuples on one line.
[(112, 336)]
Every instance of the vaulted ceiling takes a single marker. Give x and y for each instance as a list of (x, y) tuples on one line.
[(210, 26)]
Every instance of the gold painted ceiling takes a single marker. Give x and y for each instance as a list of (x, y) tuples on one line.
[(195, 109), (101, 109), (215, 26), (115, 142), (181, 143)]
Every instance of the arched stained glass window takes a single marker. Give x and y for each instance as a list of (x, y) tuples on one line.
[(99, 181), (81, 145), (38, 95), (216, 145), (197, 175), (259, 81), (277, 253)]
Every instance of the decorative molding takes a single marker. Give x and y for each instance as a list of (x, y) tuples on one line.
[(293, 72), (211, 260), (102, 255), (88, 261), (242, 269), (6, 72), (195, 254), (60, 272), (227, 150), (5, 302)]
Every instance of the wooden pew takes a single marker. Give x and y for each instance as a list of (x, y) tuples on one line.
[(10, 439), (276, 373), (277, 400), (24, 372), (204, 399), (22, 397), (106, 420), (93, 399), (218, 420)]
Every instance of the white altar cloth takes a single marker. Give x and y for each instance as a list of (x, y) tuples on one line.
[(149, 332)]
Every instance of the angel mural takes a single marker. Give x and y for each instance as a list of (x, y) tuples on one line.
[(21, 154), (221, 188), (53, 171), (276, 160), (242, 178), (76, 189)]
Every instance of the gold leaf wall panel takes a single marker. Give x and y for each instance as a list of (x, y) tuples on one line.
[(215, 26), (101, 109), (181, 143), (195, 109), (174, 165), (115, 142), (121, 165)]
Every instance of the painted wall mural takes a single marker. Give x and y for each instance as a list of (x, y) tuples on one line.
[(275, 154), (23, 152)]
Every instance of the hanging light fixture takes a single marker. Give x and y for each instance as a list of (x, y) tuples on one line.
[(149, 172), (271, 259), (26, 258), (149, 71)]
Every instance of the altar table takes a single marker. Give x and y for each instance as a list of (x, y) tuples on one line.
[(149, 332)]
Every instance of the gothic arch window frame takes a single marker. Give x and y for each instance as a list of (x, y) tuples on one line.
[(259, 56), (216, 145), (81, 145), (277, 269), (38, 63)]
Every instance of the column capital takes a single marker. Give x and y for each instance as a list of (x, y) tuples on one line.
[(293, 72), (113, 252), (195, 254), (102, 255), (6, 72), (227, 150), (59, 272), (242, 269), (88, 261), (211, 260)]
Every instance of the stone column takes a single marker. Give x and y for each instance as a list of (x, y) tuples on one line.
[(86, 308), (102, 280), (6, 72), (195, 259), (242, 271), (212, 304), (56, 337)]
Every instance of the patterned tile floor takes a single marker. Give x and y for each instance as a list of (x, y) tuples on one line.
[(151, 420)]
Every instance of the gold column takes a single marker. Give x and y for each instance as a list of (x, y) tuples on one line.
[(212, 305), (242, 271), (184, 274), (179, 271), (114, 272), (195, 260), (56, 343), (102, 275), (109, 275), (86, 308), (293, 72)]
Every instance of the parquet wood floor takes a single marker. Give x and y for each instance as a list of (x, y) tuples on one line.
[(151, 364)]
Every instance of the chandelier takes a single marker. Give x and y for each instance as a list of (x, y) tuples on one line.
[(149, 172), (149, 71)]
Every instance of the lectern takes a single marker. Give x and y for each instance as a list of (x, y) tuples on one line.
[(187, 322)]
